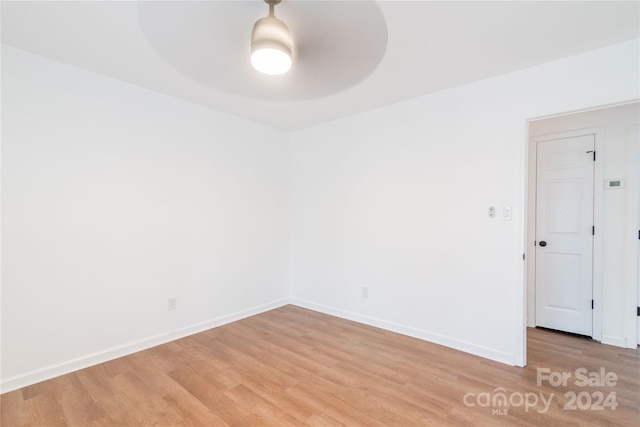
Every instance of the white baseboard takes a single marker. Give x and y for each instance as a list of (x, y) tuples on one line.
[(36, 376), (615, 341), (467, 347)]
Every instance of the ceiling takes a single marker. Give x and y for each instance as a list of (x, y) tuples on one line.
[(351, 56)]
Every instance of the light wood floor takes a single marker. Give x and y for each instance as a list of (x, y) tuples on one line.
[(293, 367)]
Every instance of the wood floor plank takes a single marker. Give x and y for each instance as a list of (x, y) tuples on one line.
[(193, 411), (323, 420), (295, 367), (77, 405), (212, 398), (94, 380), (282, 400), (324, 400), (259, 408), (12, 410), (45, 410)]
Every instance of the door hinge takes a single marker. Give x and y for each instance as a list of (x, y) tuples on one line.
[(593, 230), (638, 234), (523, 257), (638, 313), (591, 304)]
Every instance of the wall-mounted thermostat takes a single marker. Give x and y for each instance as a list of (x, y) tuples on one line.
[(613, 183)]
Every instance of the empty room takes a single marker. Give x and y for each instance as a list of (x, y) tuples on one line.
[(320, 213)]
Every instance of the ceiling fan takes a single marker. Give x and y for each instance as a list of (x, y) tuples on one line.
[(323, 48)]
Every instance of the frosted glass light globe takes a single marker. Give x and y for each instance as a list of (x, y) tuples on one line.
[(271, 46), (271, 61)]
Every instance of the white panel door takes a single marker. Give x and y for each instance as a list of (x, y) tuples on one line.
[(564, 238)]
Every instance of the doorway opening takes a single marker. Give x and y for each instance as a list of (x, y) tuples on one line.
[(583, 224)]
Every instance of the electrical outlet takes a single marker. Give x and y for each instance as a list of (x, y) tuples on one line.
[(365, 292), (172, 303)]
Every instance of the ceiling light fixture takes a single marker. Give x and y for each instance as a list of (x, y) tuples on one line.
[(271, 43)]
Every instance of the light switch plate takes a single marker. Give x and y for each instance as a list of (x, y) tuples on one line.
[(504, 213)]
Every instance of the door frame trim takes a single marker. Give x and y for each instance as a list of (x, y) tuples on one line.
[(633, 223), (598, 194)]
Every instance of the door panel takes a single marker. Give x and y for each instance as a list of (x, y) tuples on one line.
[(564, 212), (564, 220), (562, 281)]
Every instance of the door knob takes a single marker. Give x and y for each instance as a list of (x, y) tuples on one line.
[(543, 243)]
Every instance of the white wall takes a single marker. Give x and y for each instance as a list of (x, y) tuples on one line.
[(116, 198), (396, 200)]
